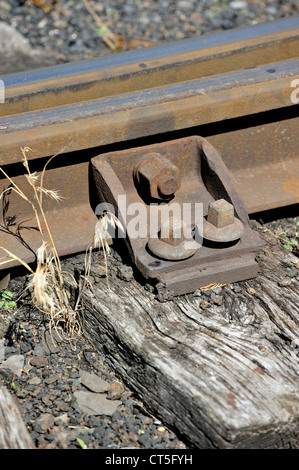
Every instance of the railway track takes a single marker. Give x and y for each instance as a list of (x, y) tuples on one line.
[(220, 108), (232, 88)]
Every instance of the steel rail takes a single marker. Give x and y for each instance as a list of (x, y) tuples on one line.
[(246, 112), (151, 67), (190, 106)]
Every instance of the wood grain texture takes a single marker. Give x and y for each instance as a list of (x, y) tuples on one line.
[(13, 432), (223, 377)]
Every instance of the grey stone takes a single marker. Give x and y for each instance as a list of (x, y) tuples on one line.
[(271, 10), (115, 391), (208, 292), (292, 272), (34, 380), (43, 423), (6, 376), (238, 4), (95, 404), (197, 293), (93, 382), (52, 378), (62, 406), (4, 326), (2, 350), (39, 361), (184, 5), (217, 299), (62, 418), (16, 53), (49, 343), (38, 350), (237, 289), (15, 363), (217, 290)]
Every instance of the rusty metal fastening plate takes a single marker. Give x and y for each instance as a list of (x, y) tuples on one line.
[(185, 224)]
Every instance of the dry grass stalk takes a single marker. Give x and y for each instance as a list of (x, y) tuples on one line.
[(115, 42), (46, 5), (101, 235), (291, 245), (212, 286), (107, 35), (46, 282)]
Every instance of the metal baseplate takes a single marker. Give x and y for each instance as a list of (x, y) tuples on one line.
[(185, 225)]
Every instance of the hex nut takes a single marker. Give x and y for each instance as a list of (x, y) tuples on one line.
[(171, 242), (157, 176)]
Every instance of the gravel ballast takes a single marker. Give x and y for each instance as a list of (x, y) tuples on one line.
[(66, 390), (69, 31)]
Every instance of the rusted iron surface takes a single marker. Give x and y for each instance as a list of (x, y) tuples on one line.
[(242, 113), (263, 160), (71, 221), (204, 180), (151, 67), (150, 112), (247, 115), (158, 177)]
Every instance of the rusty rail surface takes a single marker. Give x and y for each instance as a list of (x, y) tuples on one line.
[(152, 67), (233, 88)]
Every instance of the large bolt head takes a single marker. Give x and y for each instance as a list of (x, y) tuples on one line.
[(168, 184), (158, 176)]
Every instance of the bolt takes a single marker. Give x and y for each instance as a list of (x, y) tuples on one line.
[(172, 231), (158, 176), (221, 225), (167, 185), (220, 213), (171, 243)]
